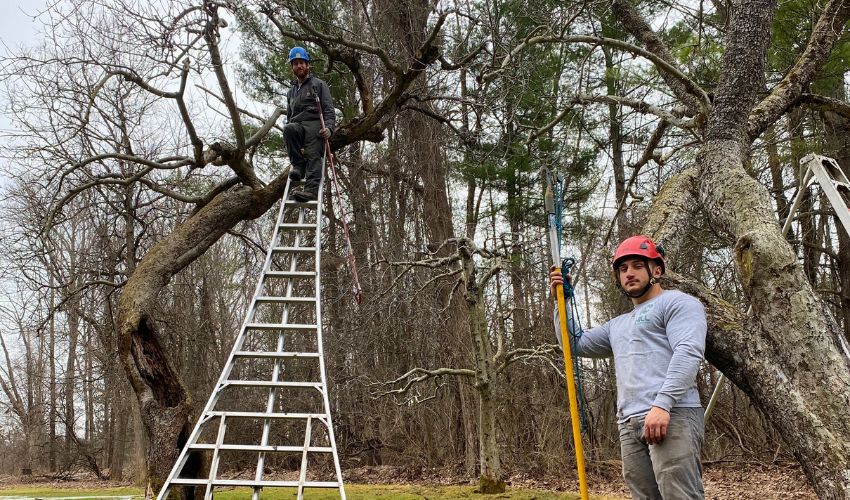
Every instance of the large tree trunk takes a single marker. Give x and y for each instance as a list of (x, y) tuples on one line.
[(164, 401), (788, 355), (615, 133), (70, 382), (53, 403)]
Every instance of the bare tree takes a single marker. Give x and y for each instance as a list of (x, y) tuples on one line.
[(472, 268), (21, 379), (109, 70)]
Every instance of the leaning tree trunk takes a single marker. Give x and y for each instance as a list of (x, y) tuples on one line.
[(164, 401), (788, 355)]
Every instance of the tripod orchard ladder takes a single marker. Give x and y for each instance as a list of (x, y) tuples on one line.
[(826, 172), (277, 359)]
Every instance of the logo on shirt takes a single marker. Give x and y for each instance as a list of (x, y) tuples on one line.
[(643, 314)]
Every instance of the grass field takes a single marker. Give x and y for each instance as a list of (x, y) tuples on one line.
[(353, 492)]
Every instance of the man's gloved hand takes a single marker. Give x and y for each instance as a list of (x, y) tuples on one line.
[(325, 133)]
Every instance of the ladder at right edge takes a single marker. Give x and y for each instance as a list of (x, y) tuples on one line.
[(828, 174), (281, 338), (832, 180)]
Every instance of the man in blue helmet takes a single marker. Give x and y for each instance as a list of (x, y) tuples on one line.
[(303, 133)]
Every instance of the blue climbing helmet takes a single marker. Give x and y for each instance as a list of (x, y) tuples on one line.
[(298, 53)]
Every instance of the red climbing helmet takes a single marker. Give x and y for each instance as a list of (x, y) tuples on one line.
[(638, 246)]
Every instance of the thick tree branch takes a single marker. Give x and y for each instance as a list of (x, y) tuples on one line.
[(825, 34), (824, 103), (211, 36), (263, 131), (197, 144), (669, 218)]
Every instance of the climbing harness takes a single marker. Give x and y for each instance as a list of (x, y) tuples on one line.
[(358, 290), (554, 212)]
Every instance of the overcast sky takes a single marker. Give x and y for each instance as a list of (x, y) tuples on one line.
[(18, 29), (16, 24)]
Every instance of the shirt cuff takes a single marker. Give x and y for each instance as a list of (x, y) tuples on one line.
[(664, 401)]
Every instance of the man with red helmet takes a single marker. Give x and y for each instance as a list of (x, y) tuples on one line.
[(657, 350)]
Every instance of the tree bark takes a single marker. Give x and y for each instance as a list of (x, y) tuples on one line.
[(53, 403), (70, 367), (788, 357), (164, 401), (88, 385), (615, 133), (774, 163), (486, 379)]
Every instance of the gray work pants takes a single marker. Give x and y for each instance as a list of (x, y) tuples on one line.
[(670, 470), (306, 148)]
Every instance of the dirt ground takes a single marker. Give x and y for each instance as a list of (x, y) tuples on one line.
[(723, 481)]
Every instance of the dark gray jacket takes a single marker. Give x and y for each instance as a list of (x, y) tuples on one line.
[(301, 102)]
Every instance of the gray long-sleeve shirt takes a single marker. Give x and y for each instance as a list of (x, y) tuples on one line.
[(657, 350), (301, 102)]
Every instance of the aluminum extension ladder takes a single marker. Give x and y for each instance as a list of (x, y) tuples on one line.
[(826, 172), (278, 355)]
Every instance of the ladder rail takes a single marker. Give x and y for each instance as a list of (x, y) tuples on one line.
[(219, 440), (225, 373), (321, 348), (264, 295), (302, 477), (822, 168)]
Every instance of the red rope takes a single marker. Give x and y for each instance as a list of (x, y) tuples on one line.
[(358, 291)]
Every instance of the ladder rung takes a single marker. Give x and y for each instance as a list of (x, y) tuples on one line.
[(263, 354), (294, 249), (295, 225), (259, 414), (255, 447), (255, 484), (290, 274), (301, 204), (275, 300), (280, 326), (269, 383)]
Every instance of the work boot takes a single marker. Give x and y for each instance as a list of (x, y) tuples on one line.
[(303, 195), (296, 173)]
